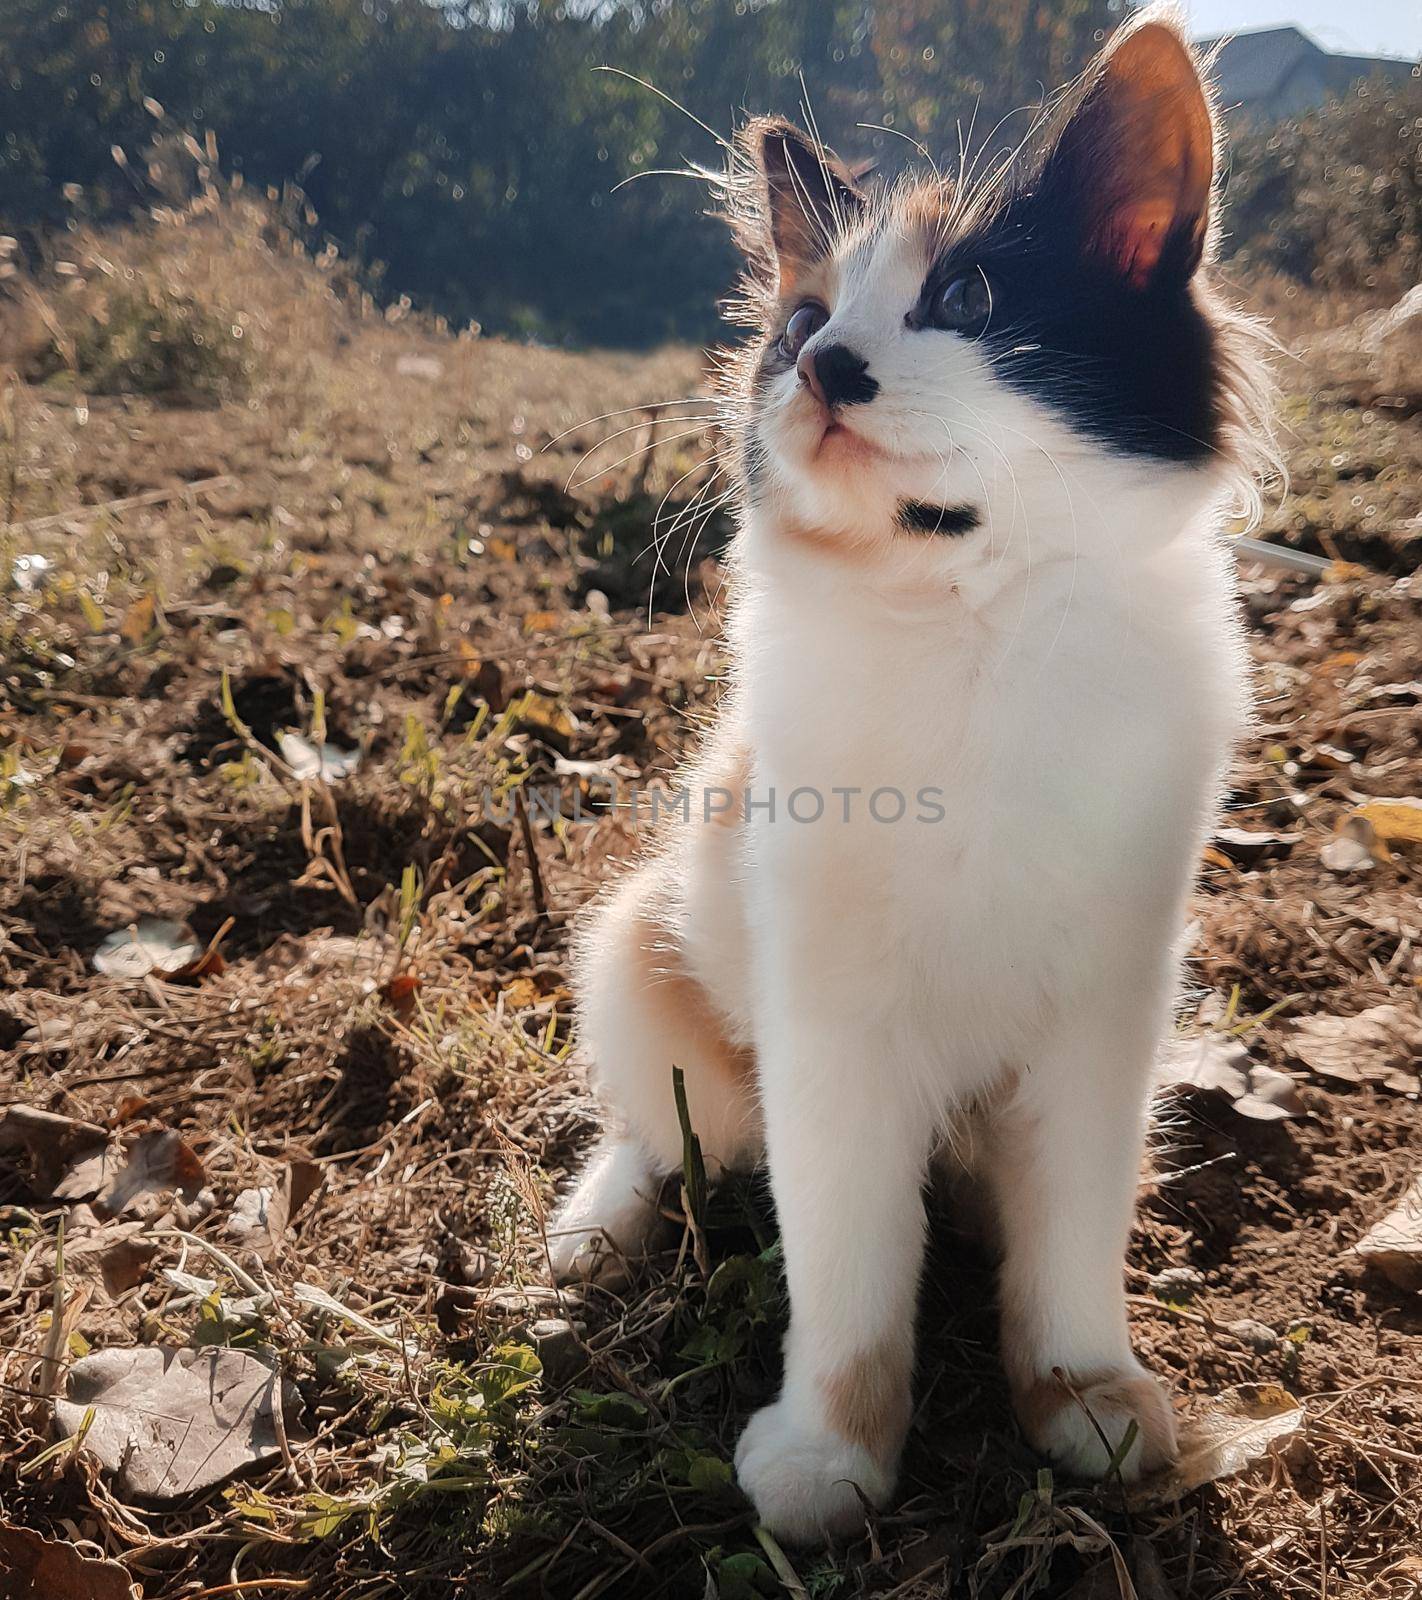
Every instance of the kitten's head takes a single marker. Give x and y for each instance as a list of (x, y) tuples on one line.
[(924, 351)]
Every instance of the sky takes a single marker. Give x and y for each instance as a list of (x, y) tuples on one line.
[(1357, 27)]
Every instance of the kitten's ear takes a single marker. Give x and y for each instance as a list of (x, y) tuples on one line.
[(808, 194), (1137, 158)]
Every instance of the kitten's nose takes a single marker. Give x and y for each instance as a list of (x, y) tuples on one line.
[(836, 376)]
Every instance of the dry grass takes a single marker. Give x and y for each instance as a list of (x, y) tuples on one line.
[(393, 553)]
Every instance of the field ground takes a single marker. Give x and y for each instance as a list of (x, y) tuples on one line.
[(382, 1018)]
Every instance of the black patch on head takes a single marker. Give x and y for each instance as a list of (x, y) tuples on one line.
[(921, 516), (1136, 368), (1089, 262)]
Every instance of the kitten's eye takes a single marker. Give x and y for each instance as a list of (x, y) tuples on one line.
[(804, 323), (964, 305)]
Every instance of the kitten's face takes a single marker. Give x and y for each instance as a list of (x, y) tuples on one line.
[(926, 353)]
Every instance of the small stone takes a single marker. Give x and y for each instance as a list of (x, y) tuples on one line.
[(559, 1347), (1257, 1335), (1176, 1283), (1352, 849)]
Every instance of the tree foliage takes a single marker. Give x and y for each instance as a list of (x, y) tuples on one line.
[(469, 146), (1334, 198)]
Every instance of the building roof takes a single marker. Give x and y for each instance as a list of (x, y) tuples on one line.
[(1255, 66)]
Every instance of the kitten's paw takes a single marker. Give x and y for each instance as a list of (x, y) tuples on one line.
[(804, 1481), (587, 1256), (607, 1219), (1057, 1423)]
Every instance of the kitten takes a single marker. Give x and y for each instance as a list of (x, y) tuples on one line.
[(987, 673)]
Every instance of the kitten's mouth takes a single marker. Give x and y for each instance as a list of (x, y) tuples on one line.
[(841, 442)]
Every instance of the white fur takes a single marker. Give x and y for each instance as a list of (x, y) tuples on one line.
[(1068, 678)]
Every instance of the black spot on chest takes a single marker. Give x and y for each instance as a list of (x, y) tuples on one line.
[(921, 516)]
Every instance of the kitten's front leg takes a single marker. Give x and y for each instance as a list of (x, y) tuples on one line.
[(846, 1168), (1065, 1167)]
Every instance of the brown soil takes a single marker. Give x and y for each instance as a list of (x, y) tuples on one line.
[(387, 540)]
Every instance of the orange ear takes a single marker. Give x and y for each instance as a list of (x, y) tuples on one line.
[(1141, 145), (811, 196)]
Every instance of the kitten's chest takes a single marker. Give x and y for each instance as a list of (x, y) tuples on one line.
[(934, 717), (982, 768)]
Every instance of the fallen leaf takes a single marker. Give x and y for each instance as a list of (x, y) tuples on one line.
[(542, 711), (51, 1144), (332, 763), (540, 622), (36, 1568), (1239, 1428), (1394, 821), (1394, 1245), (261, 1216), (519, 993), (1215, 1062), (117, 1256), (87, 1174), (152, 944), (399, 992), (138, 620), (1379, 1045), (93, 611), (169, 1422), (1205, 1061), (156, 1163)]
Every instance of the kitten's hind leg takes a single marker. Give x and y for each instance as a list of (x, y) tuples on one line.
[(642, 1012)]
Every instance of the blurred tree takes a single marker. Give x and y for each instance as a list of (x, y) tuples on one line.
[(1334, 198), (469, 146), (978, 70)]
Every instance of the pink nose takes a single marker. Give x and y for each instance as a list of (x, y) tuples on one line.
[(836, 376), (810, 377)]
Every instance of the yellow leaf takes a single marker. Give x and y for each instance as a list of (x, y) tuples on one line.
[(521, 992), (1340, 660), (540, 622), (1394, 821), (1344, 572), (93, 612), (544, 712), (504, 549), (137, 621)]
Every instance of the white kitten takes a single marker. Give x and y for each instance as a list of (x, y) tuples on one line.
[(987, 675)]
